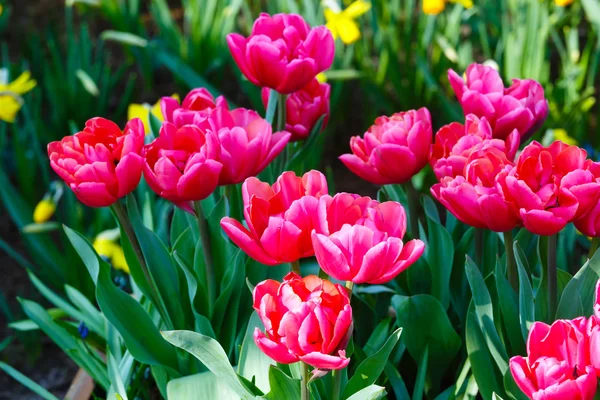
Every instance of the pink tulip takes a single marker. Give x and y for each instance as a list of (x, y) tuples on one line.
[(181, 164), (551, 186), (195, 108), (304, 108), (247, 143), (455, 143), (306, 319), (522, 106), (592, 330), (101, 164), (370, 250), (279, 218), (476, 198), (282, 52), (393, 149)]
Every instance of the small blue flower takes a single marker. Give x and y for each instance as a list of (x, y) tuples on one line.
[(83, 330)]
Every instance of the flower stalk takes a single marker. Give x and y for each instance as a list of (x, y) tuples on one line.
[(511, 265), (304, 393), (412, 196), (552, 277), (207, 252)]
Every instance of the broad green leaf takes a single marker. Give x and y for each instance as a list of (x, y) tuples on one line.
[(509, 306), (511, 387), (116, 383), (526, 302), (369, 370), (91, 315), (282, 386), (28, 383), (212, 355), (372, 392), (485, 315), (578, 295), (253, 364), (421, 376), (440, 254), (204, 384)]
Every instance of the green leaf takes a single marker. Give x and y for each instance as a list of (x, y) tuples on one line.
[(485, 315), (282, 386), (369, 370), (427, 325), (91, 316), (440, 255), (204, 384), (88, 83), (526, 302), (509, 307), (125, 38), (253, 364), (116, 386), (578, 296), (28, 383), (212, 355), (511, 387), (372, 392)]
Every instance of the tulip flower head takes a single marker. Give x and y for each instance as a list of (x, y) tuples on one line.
[(304, 108), (455, 143), (280, 218), (282, 52), (522, 106), (246, 140), (393, 149), (100, 164), (551, 186), (342, 23), (306, 319), (369, 250), (181, 164), (195, 107)]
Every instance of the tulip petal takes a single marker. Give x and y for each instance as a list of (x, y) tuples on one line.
[(330, 257), (276, 351), (243, 239), (325, 361)]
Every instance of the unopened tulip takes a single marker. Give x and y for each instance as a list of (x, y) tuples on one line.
[(282, 52), (370, 250), (306, 319), (522, 106), (393, 149), (280, 218), (476, 198), (304, 108), (247, 142), (195, 107), (551, 186), (100, 164), (455, 143), (181, 164)]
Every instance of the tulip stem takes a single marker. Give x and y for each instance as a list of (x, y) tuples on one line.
[(412, 195), (349, 286), (281, 111), (206, 250), (594, 246), (336, 375), (296, 267), (511, 265), (552, 275), (304, 395), (272, 105), (123, 219)]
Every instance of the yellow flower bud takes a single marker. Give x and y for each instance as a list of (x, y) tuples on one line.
[(562, 3), (44, 211), (433, 7)]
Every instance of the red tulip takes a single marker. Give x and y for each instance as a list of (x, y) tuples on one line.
[(551, 186), (194, 109), (247, 143), (522, 106), (454, 144), (369, 249), (476, 198), (393, 149), (306, 319), (101, 164), (181, 164), (282, 52), (304, 108), (279, 218)]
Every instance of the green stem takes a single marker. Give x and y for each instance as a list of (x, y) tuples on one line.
[(272, 105), (281, 112), (552, 281), (336, 374), (349, 286), (594, 246), (296, 267), (511, 265), (206, 250), (413, 203), (304, 395), (137, 249)]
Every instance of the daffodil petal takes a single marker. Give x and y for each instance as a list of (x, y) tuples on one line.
[(348, 30), (356, 9), (433, 7)]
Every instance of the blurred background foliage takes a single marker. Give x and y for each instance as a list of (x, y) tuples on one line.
[(63, 65)]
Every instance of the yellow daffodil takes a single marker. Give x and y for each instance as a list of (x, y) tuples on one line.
[(321, 77), (44, 210), (10, 94), (106, 246), (563, 136), (141, 111), (562, 3), (342, 23), (434, 7)]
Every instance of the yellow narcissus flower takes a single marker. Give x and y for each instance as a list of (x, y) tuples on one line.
[(562, 3), (10, 94), (321, 77), (141, 111), (106, 246), (434, 7), (563, 136), (342, 24), (44, 210)]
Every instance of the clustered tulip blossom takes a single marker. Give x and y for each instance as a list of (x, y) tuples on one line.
[(100, 164), (306, 319), (195, 107), (562, 360)]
